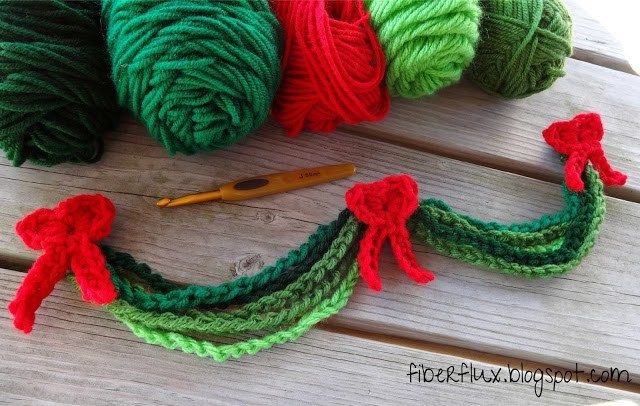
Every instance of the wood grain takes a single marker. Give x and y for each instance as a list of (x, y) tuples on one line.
[(464, 123), (589, 315), (593, 43), (79, 355)]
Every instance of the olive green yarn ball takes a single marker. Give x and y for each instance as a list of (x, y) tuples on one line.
[(56, 97), (523, 46), (200, 75), (427, 44)]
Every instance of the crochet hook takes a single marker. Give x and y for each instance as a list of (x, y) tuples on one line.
[(259, 186)]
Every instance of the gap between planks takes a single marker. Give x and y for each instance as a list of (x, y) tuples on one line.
[(463, 123), (335, 367), (505, 164), (593, 43), (487, 160), (605, 61), (466, 353), (258, 145)]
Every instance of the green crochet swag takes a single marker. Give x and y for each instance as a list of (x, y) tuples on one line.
[(315, 281)]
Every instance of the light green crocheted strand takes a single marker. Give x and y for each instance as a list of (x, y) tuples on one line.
[(267, 312), (525, 243), (221, 352), (316, 280)]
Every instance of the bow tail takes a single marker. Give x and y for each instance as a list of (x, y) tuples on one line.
[(573, 169), (368, 257), (406, 257), (89, 266), (608, 175), (42, 277)]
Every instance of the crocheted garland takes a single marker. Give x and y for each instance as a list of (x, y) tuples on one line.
[(315, 281)]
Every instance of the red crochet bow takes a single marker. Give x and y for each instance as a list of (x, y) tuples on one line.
[(67, 235), (385, 206), (579, 139)]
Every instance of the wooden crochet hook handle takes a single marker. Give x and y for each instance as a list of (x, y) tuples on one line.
[(259, 186)]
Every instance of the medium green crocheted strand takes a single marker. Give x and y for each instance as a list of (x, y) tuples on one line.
[(269, 311), (545, 247), (221, 352), (283, 315), (314, 281), (175, 297)]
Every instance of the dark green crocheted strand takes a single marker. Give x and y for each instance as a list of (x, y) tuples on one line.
[(169, 296), (315, 280), (544, 247), (318, 292)]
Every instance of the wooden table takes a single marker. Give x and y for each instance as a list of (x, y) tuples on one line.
[(484, 156)]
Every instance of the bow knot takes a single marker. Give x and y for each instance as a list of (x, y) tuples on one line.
[(67, 235), (385, 207), (579, 139)]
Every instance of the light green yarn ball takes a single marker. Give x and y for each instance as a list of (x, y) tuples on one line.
[(523, 47), (427, 44)]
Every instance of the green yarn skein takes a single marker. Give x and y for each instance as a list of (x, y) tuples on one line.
[(523, 46), (199, 74), (56, 98), (427, 44)]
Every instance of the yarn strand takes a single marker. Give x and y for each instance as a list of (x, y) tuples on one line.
[(56, 98), (314, 281), (199, 74), (333, 66), (220, 353)]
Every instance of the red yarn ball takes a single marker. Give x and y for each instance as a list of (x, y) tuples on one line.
[(333, 66)]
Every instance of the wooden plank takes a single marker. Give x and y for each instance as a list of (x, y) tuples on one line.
[(79, 354), (589, 315), (593, 43), (464, 123)]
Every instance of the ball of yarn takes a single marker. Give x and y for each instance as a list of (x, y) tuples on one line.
[(427, 44), (200, 75), (56, 98), (523, 46), (333, 66)]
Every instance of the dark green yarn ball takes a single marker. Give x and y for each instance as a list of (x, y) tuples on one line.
[(200, 75), (56, 98), (523, 46)]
